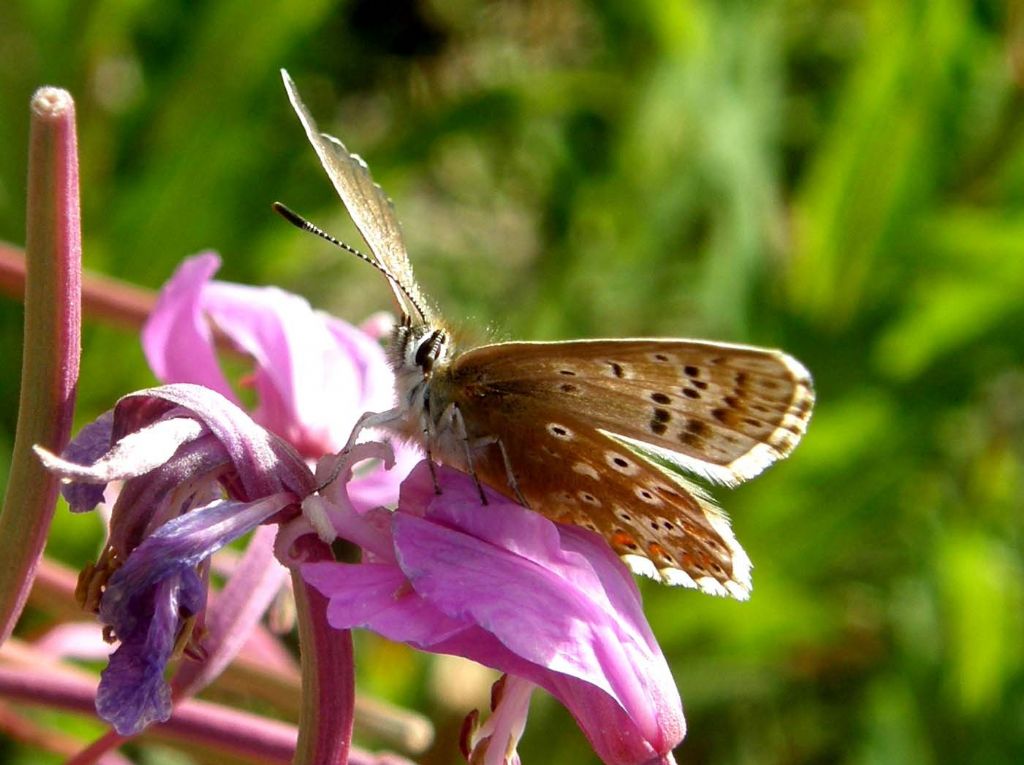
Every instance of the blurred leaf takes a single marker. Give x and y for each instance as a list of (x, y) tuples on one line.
[(972, 289), (871, 172), (982, 597)]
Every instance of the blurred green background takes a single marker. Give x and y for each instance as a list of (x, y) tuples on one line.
[(844, 180)]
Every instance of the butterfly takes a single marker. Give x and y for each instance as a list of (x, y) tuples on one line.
[(594, 433)]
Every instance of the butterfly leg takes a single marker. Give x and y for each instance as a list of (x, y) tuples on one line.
[(366, 420), (459, 423), (510, 474), (430, 464), (427, 427), (369, 420)]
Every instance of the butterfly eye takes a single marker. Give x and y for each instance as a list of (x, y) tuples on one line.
[(427, 351)]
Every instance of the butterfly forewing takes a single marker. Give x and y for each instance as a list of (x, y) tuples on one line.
[(366, 202), (724, 412)]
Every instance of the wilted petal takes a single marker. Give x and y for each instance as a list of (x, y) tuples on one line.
[(149, 598), (230, 622), (188, 479), (178, 448), (132, 692), (149, 437), (135, 454), (263, 463), (91, 443)]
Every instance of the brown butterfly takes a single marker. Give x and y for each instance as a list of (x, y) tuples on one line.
[(588, 432)]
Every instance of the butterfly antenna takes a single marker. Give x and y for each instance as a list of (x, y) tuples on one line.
[(299, 222)]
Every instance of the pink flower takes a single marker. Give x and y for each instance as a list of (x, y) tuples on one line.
[(508, 588), (314, 374), (548, 605)]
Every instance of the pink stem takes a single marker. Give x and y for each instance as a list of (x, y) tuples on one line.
[(328, 671), (49, 373), (248, 737), (103, 297)]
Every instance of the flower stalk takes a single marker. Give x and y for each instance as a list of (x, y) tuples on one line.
[(328, 673), (105, 298), (240, 736), (52, 343)]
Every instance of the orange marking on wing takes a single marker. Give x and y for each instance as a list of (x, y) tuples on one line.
[(623, 539)]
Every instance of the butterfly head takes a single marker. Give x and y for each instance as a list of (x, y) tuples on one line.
[(418, 347)]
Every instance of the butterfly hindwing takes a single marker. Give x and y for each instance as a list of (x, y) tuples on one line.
[(663, 526)]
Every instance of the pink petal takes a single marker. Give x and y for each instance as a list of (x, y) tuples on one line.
[(177, 339), (377, 596)]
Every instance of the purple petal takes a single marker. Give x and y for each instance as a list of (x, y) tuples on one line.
[(91, 443), (555, 597), (264, 464), (292, 354), (377, 596), (150, 428), (132, 692), (181, 542), (148, 598), (147, 502), (236, 611), (314, 374), (529, 607), (376, 380)]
